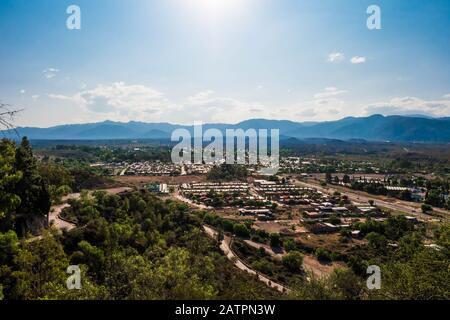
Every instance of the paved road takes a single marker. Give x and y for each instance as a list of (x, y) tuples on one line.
[(225, 246), (396, 205)]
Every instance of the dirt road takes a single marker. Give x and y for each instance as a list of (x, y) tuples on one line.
[(55, 219), (179, 197), (54, 216), (225, 246)]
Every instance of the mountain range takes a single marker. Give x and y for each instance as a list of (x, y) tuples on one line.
[(372, 128)]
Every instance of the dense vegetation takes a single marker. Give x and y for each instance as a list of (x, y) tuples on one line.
[(132, 246), (24, 196), (137, 246), (227, 172)]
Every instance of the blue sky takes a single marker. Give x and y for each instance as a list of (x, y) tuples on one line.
[(223, 60)]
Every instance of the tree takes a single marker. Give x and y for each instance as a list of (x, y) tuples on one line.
[(9, 200), (178, 278), (434, 198), (426, 208), (241, 230), (40, 266), (322, 254), (293, 261), (289, 245), (315, 289), (9, 246), (275, 240), (347, 283), (31, 189), (377, 241), (346, 179), (422, 277), (328, 177)]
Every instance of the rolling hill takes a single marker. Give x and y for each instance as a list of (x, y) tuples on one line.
[(372, 128)]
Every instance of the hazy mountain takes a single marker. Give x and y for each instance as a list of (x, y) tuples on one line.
[(373, 128)]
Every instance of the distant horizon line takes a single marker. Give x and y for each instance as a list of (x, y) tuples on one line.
[(224, 123)]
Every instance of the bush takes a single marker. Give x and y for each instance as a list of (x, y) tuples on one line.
[(289, 245), (293, 261), (426, 208), (275, 240), (241, 230), (322, 254)]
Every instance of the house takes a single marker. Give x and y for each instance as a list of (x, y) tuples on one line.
[(254, 212), (356, 233), (322, 228), (340, 210)]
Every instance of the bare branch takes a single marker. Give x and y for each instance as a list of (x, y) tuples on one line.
[(7, 116)]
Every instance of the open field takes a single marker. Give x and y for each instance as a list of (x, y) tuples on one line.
[(141, 180)]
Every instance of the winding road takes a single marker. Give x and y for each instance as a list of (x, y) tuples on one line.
[(225, 246), (54, 216)]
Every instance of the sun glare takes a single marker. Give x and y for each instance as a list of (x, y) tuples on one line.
[(215, 9)]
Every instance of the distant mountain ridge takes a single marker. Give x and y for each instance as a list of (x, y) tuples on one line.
[(372, 128)]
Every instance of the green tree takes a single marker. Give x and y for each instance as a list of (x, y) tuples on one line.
[(322, 254), (348, 285), (275, 240), (178, 278), (9, 200), (377, 241), (293, 261), (9, 246), (31, 189), (241, 230), (426, 208), (434, 198), (40, 265)]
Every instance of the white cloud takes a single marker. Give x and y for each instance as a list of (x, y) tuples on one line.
[(118, 100), (121, 102), (335, 57), (23, 91), (310, 113), (35, 97), (409, 106), (358, 60), (200, 98), (329, 92), (50, 73), (447, 96)]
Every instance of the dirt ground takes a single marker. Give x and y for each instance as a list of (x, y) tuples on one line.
[(141, 180), (289, 227), (331, 242), (319, 269)]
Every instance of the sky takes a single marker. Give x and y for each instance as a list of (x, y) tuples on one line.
[(223, 61)]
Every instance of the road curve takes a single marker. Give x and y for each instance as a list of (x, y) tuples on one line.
[(54, 216), (225, 246)]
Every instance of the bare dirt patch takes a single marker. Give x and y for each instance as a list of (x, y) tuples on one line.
[(142, 180)]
